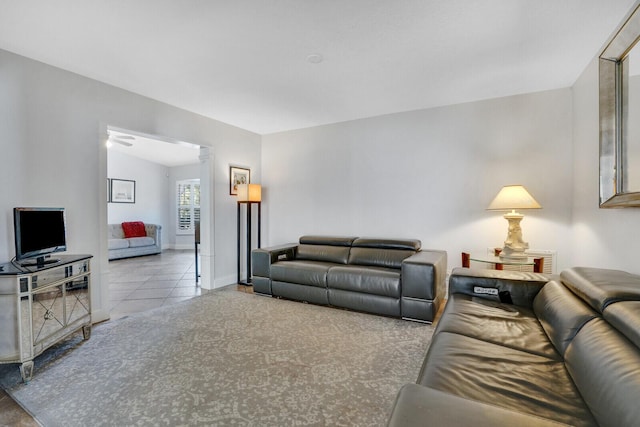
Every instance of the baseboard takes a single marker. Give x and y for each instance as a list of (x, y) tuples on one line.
[(181, 246)]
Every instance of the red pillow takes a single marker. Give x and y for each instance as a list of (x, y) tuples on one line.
[(133, 229)]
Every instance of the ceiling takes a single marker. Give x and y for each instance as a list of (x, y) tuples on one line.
[(245, 62), (149, 148)]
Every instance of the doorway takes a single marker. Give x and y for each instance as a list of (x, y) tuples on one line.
[(158, 166)]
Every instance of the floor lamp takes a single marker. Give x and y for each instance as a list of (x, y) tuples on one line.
[(197, 242), (248, 194)]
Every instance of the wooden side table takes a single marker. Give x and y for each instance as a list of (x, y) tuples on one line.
[(537, 263)]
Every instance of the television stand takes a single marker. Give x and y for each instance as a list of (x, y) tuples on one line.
[(39, 262), (42, 306)]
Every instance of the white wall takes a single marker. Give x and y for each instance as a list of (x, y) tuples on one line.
[(53, 155), (13, 165), (604, 238), (427, 174), (152, 204)]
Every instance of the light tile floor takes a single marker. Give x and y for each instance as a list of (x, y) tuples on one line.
[(143, 283), (12, 414)]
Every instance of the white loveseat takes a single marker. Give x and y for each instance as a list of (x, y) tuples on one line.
[(121, 247)]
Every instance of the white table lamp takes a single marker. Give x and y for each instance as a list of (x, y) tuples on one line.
[(513, 197)]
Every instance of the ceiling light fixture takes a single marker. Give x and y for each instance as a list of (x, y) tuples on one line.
[(125, 143), (117, 140), (120, 139), (314, 58)]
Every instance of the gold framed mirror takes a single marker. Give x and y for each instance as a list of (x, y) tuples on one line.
[(619, 66)]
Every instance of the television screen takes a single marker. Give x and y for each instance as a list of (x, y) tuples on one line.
[(39, 231)]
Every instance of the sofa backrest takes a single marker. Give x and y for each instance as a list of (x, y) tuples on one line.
[(599, 287), (333, 249), (561, 313), (114, 231), (388, 253), (625, 317), (603, 358)]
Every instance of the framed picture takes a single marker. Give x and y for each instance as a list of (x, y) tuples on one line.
[(238, 176), (123, 191), (108, 190)]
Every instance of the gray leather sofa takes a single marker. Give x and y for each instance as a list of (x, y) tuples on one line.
[(566, 351), (390, 277), (121, 247)]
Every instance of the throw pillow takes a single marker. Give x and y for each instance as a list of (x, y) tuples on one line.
[(133, 229)]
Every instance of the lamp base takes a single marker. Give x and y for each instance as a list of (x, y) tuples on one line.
[(514, 246)]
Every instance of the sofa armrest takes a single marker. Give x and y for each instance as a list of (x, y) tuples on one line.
[(521, 286), (155, 231), (263, 258), (424, 275), (417, 406)]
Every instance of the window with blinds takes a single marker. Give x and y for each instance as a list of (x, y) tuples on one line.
[(188, 205)]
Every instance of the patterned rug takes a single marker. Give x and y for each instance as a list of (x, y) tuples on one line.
[(227, 358)]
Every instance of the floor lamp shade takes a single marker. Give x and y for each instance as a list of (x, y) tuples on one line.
[(510, 198), (249, 193)]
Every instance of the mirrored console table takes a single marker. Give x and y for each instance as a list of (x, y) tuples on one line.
[(42, 305)]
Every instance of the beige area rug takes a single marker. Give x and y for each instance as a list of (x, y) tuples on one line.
[(227, 358)]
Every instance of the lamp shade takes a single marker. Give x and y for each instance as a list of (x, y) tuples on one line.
[(249, 193), (513, 197)]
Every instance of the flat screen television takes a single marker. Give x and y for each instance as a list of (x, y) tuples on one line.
[(38, 233)]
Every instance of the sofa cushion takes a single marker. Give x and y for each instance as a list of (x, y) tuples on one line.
[(388, 258), (118, 244), (133, 229), (312, 273), (561, 314), (323, 253), (137, 242), (504, 377), (369, 280), (505, 324), (605, 366)]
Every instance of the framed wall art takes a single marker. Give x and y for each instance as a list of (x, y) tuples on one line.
[(238, 176), (123, 191)]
